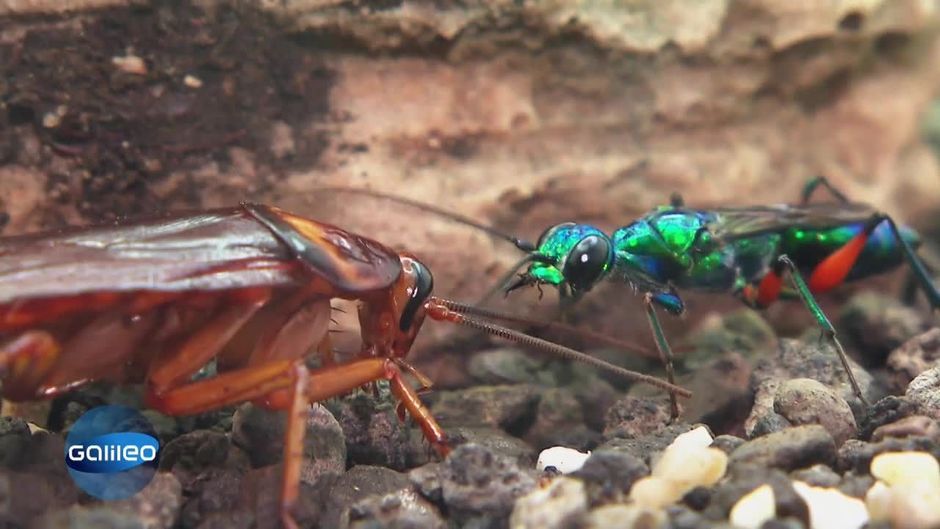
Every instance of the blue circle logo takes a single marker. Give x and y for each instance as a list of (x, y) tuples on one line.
[(112, 452)]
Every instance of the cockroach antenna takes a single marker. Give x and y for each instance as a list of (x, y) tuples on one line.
[(463, 316), (521, 244)]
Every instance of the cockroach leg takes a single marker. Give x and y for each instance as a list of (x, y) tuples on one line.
[(294, 443), (328, 382), (26, 361), (176, 367)]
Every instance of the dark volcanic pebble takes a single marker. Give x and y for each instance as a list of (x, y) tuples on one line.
[(403, 509), (806, 401), (743, 479), (632, 417), (727, 443), (768, 423), (78, 517), (212, 494), (14, 441), (790, 449), (426, 479), (491, 438), (24, 496), (913, 426), (477, 482), (877, 324), (608, 475), (886, 411), (260, 496), (358, 483), (721, 394), (817, 475), (647, 446), (856, 455), (507, 365), (155, 507), (192, 453), (913, 357), (158, 505), (510, 407), (261, 434), (559, 421), (374, 434)]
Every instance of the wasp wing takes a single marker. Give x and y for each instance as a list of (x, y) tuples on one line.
[(742, 222)]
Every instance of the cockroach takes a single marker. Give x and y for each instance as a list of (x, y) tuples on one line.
[(154, 301)]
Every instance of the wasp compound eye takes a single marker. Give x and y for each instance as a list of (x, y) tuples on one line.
[(587, 262), (424, 284)]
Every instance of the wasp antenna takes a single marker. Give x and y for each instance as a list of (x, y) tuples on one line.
[(505, 282), (521, 244), (550, 326)]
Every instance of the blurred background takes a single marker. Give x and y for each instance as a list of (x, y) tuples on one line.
[(518, 114)]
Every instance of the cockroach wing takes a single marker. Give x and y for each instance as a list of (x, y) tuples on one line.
[(743, 222), (215, 250), (346, 261)]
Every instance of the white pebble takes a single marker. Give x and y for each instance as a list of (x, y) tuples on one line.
[(655, 493), (690, 467), (908, 493), (754, 508), (192, 81), (563, 459), (549, 507), (697, 438), (830, 508), (898, 468), (619, 516), (131, 64)]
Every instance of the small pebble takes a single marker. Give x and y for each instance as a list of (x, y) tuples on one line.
[(688, 462), (192, 81), (899, 468), (619, 516), (806, 401), (908, 495), (131, 64), (561, 458), (755, 508), (830, 508), (924, 391), (554, 506)]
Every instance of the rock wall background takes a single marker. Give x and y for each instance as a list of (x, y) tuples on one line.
[(519, 114)]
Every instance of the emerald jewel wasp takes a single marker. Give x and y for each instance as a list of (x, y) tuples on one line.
[(745, 251)]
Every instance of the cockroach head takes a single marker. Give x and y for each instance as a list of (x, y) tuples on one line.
[(391, 319)]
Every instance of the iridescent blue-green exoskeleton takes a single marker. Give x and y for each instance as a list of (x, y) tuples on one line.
[(740, 250), (744, 251)]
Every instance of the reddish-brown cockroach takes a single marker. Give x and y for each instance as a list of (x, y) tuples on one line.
[(250, 287)]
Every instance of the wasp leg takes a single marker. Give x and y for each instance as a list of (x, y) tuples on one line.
[(821, 181), (784, 262), (665, 352), (25, 363)]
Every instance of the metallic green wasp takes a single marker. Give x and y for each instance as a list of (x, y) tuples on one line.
[(745, 251)]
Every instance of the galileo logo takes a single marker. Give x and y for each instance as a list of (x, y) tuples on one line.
[(111, 452)]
